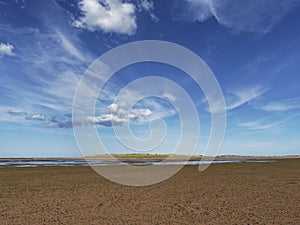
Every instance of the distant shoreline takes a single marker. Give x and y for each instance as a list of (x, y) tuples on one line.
[(133, 157)]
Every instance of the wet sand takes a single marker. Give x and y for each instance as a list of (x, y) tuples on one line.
[(231, 193)]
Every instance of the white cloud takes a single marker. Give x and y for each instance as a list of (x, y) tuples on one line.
[(107, 120), (248, 15), (36, 117), (119, 116), (6, 49), (107, 15), (137, 113), (113, 107), (283, 105)]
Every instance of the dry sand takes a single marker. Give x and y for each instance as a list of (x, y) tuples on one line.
[(235, 193)]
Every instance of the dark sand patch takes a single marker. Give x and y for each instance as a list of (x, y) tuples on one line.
[(235, 193)]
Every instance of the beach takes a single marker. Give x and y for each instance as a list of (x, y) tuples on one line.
[(225, 193)]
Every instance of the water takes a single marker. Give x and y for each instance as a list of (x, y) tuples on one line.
[(35, 163)]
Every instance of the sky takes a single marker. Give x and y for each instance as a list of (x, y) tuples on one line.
[(252, 47)]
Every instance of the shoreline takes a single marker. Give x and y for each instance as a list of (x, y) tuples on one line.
[(149, 157)]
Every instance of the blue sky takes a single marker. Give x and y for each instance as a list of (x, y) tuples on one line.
[(253, 48)]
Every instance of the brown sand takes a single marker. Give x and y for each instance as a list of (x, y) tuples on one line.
[(236, 193)]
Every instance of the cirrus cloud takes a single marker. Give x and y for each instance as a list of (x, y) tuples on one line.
[(248, 15), (283, 105)]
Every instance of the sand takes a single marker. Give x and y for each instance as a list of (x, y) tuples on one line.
[(235, 193)]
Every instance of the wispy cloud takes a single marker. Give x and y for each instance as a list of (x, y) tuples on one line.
[(69, 47), (283, 105), (46, 70), (238, 97), (249, 15), (6, 49), (260, 125), (51, 79), (147, 6), (241, 96)]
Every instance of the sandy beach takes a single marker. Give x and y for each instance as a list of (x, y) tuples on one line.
[(231, 193)]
